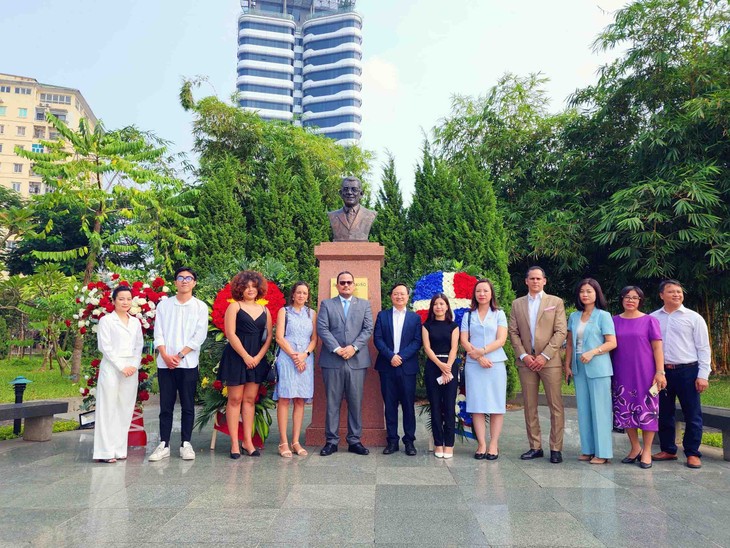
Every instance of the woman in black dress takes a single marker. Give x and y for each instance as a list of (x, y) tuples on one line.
[(441, 342), (243, 365)]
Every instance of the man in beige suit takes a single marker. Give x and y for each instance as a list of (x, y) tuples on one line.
[(537, 329)]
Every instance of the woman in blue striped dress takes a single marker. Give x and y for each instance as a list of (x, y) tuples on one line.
[(296, 335)]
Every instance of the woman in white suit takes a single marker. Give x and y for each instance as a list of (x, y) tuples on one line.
[(120, 342)]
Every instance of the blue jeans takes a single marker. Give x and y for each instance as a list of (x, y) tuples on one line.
[(681, 384)]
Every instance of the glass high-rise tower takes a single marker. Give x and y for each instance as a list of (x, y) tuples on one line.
[(301, 61)]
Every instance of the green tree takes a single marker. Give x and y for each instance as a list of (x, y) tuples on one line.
[(281, 178), (669, 211), (432, 215), (101, 173), (389, 227)]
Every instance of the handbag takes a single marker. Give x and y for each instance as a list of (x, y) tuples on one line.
[(460, 372), (265, 332), (272, 377)]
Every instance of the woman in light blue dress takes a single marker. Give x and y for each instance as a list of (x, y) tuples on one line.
[(483, 334), (591, 336), (296, 335)]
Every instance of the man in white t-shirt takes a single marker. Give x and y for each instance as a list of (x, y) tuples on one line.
[(181, 326)]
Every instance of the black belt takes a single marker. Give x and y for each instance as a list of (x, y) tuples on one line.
[(680, 365)]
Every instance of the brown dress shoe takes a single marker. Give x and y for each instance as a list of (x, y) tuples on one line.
[(664, 456), (694, 462)]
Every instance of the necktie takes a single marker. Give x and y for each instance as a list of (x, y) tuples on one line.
[(350, 216), (346, 305)]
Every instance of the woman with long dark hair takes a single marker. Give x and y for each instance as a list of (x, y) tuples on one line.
[(440, 336), (483, 334), (591, 336), (296, 335)]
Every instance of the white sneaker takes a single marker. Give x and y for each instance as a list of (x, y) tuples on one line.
[(186, 451), (161, 452)]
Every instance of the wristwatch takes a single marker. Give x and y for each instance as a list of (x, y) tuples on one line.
[(180, 355)]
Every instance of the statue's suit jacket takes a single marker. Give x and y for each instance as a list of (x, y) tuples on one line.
[(335, 331), (551, 329), (359, 230)]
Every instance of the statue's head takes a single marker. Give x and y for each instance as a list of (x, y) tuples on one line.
[(351, 191)]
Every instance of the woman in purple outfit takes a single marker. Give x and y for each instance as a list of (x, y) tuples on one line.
[(638, 362)]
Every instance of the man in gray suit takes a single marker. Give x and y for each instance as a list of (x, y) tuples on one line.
[(344, 324)]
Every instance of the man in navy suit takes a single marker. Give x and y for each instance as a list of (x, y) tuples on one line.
[(397, 337), (344, 325)]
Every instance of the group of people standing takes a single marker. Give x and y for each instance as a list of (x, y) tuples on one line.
[(628, 370)]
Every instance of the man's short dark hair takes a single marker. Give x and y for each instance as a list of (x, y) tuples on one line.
[(399, 284), (670, 281), (541, 269), (344, 272), (187, 269)]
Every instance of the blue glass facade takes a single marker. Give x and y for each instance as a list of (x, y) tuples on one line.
[(323, 64)]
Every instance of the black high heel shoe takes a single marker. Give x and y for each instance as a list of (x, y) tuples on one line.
[(235, 456), (254, 453), (631, 460)]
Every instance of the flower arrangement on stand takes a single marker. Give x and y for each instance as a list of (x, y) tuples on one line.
[(458, 287), (95, 299), (215, 396)]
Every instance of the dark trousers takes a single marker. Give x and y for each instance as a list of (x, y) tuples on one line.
[(681, 384), (442, 398), (399, 388), (174, 383)]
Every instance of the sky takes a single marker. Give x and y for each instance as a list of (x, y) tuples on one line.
[(128, 58)]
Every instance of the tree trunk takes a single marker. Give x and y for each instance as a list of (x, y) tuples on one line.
[(79, 341)]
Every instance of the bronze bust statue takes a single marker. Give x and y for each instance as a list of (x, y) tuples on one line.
[(352, 222)]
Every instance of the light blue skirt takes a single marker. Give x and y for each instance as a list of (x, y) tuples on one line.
[(486, 388)]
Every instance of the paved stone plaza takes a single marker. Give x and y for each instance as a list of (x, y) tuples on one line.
[(51, 494)]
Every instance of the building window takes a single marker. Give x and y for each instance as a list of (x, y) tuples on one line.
[(264, 58), (264, 73), (265, 89), (339, 135), (331, 27), (331, 121), (36, 148), (17, 168), (34, 188), (21, 131), (265, 26), (23, 91), (22, 113), (39, 132), (55, 98), (4, 89), (53, 135), (332, 73), (3, 111), (1, 147), (249, 40), (332, 89), (325, 106), (2, 129), (333, 42), (265, 105), (16, 186), (21, 147), (332, 58)]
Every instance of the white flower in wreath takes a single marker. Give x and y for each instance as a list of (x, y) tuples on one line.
[(76, 316), (134, 310), (152, 307), (165, 289), (141, 300), (96, 312), (92, 391), (82, 323), (94, 301), (460, 397), (95, 328)]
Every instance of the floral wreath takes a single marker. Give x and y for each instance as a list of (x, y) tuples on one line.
[(274, 300)]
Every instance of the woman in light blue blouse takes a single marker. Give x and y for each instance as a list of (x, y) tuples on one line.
[(591, 336), (483, 334)]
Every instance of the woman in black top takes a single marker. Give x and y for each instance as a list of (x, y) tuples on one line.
[(441, 342)]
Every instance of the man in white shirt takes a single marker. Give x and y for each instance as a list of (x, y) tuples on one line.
[(397, 337), (181, 326), (687, 359)]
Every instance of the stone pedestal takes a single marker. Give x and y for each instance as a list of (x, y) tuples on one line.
[(364, 260), (38, 428)]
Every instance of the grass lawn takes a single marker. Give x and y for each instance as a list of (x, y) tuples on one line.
[(46, 385)]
